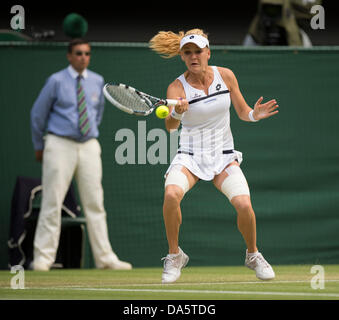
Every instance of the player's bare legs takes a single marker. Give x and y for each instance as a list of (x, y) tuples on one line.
[(172, 216), (247, 226), (177, 184), (245, 214), (172, 212), (246, 221)]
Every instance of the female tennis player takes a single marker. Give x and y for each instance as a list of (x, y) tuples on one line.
[(206, 150)]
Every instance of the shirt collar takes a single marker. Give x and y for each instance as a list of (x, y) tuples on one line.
[(74, 74)]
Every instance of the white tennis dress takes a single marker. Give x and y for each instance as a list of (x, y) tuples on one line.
[(206, 143)]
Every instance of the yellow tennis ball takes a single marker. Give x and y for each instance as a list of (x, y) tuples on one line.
[(162, 112)]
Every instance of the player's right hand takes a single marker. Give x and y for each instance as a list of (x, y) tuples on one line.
[(181, 106)]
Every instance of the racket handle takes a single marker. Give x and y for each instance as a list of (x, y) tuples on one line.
[(171, 102)]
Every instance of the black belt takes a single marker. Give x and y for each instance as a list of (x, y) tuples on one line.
[(227, 151), (191, 153), (186, 152)]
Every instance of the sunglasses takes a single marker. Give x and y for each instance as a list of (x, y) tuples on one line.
[(80, 53)]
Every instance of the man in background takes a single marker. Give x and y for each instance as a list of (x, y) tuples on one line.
[(69, 109)]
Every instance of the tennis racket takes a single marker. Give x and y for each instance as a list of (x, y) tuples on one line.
[(133, 101)]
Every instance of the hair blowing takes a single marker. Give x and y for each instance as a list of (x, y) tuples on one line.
[(167, 43)]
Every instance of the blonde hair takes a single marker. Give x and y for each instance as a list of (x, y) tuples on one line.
[(167, 43)]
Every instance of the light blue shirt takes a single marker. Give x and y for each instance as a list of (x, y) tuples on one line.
[(56, 111)]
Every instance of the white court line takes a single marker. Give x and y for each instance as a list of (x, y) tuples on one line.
[(270, 293), (183, 284), (218, 283), (208, 283)]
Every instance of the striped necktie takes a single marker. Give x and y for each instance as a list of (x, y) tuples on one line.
[(83, 116)]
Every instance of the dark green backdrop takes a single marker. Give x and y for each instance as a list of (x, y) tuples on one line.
[(291, 161)]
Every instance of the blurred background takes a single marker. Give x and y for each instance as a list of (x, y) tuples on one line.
[(227, 22), (291, 161)]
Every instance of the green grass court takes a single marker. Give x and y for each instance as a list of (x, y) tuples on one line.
[(292, 282)]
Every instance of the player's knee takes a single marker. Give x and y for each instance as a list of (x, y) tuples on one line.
[(242, 203), (235, 183), (173, 194)]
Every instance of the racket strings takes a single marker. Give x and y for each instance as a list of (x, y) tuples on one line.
[(129, 99)]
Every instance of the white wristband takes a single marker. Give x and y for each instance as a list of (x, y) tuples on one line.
[(176, 116), (250, 116)]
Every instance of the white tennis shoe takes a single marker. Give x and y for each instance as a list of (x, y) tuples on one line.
[(39, 266), (262, 268), (118, 265), (172, 266)]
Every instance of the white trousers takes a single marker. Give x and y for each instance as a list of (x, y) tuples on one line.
[(62, 159)]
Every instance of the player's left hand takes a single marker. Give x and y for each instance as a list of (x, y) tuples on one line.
[(265, 110)]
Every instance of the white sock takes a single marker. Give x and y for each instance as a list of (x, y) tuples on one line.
[(173, 255), (251, 254)]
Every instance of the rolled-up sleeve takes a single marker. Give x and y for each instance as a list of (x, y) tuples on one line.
[(40, 112)]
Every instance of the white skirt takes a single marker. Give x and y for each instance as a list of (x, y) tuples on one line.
[(205, 166)]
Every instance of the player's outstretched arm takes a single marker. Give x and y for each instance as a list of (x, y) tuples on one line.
[(244, 112)]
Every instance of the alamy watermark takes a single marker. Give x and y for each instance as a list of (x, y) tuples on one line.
[(154, 147), (318, 281), (135, 148), (18, 20), (318, 20), (18, 280)]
